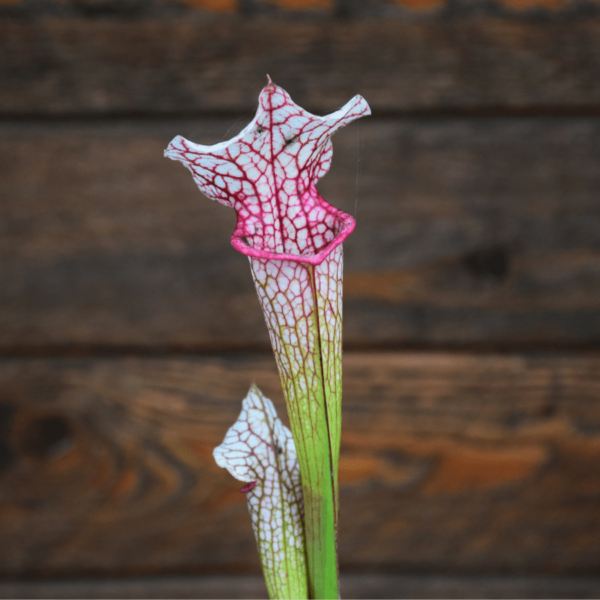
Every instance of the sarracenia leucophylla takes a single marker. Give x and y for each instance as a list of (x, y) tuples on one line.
[(293, 239)]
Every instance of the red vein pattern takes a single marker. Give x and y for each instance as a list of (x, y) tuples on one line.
[(293, 238), (259, 449), (302, 305), (268, 175)]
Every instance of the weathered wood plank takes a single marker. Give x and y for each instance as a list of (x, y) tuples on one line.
[(353, 586), (341, 9), (63, 66), (449, 462), (469, 232)]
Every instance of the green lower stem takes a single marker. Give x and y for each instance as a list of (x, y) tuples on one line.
[(309, 424), (322, 559), (306, 339)]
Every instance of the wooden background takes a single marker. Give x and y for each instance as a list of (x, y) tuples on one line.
[(130, 330)]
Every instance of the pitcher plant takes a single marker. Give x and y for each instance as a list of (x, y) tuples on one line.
[(293, 239)]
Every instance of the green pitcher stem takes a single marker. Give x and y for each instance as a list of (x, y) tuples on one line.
[(302, 306)]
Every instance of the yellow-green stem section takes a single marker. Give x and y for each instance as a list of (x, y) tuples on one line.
[(308, 355), (310, 428)]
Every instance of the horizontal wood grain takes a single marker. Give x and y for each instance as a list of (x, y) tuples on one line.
[(352, 586), (462, 463), (110, 66), (190, 9), (470, 231)]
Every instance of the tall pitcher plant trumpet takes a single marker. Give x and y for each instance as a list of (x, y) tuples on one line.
[(293, 239)]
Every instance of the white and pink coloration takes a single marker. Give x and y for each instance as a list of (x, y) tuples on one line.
[(293, 238), (267, 174), (259, 450)]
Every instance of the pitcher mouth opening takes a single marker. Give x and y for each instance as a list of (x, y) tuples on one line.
[(268, 175), (344, 226)]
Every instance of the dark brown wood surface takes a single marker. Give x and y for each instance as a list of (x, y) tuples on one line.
[(470, 231), (462, 463), (352, 586), (106, 66), (130, 329)]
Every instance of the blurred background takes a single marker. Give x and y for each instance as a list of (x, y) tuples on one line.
[(130, 330)]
